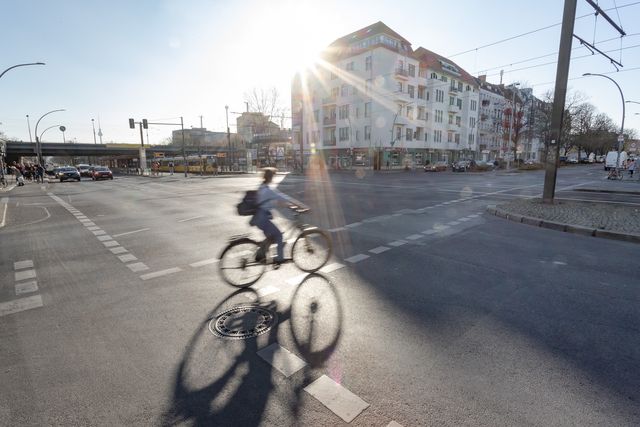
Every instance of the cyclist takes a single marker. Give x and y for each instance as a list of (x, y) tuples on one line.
[(262, 218)]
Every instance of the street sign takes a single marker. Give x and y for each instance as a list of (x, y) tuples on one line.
[(620, 138)]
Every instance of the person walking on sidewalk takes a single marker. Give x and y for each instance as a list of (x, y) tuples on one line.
[(631, 167)]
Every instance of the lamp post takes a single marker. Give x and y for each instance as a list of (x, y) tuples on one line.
[(226, 108), (511, 120), (38, 146), (62, 129), (620, 138), (21, 65), (29, 127), (93, 125)]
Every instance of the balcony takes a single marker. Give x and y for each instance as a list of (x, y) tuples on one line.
[(329, 100), (327, 121), (402, 72), (453, 90), (454, 108), (329, 142)]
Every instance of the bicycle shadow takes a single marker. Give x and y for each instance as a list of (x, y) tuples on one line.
[(225, 382)]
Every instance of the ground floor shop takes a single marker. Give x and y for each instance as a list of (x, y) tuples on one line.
[(388, 157)]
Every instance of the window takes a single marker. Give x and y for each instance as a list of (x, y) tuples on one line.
[(332, 76), (452, 100), (411, 91), (449, 136), (354, 91), (426, 117), (468, 88), (408, 134), (367, 133), (400, 109), (367, 109), (421, 92), (434, 76), (367, 63), (421, 113), (334, 92), (329, 137), (472, 138), (349, 66), (427, 95), (357, 135), (451, 116), (412, 70), (418, 134), (343, 134), (474, 105), (472, 122), (344, 90), (439, 95), (398, 133), (458, 120), (444, 79), (460, 86), (410, 113), (438, 118), (459, 103), (357, 112), (437, 136), (400, 87), (343, 112), (367, 86), (457, 138), (316, 115)]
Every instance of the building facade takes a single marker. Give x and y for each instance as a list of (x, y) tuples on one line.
[(374, 101)]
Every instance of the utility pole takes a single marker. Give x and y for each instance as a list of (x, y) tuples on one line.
[(226, 108), (560, 93), (184, 155), (511, 123), (29, 127)]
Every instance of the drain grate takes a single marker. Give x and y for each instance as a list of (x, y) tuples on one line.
[(242, 322)]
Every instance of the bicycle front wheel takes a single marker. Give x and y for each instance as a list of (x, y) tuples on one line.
[(311, 250), (238, 265)]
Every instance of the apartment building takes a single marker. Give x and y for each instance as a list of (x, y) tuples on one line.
[(375, 101), (490, 131)]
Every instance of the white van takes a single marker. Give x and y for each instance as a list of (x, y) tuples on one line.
[(612, 158)]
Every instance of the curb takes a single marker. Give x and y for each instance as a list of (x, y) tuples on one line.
[(595, 190), (561, 226)]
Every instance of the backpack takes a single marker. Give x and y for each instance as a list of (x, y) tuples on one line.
[(249, 204)]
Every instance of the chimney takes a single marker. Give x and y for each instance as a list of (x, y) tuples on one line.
[(483, 78)]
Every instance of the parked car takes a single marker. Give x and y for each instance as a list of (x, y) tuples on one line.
[(85, 170), (600, 159), (436, 167), (461, 166), (572, 160), (612, 158), (101, 172), (67, 173)]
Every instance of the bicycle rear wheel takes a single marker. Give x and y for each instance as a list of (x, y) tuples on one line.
[(238, 265), (311, 250)]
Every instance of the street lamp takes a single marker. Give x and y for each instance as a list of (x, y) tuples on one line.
[(62, 129), (21, 65), (632, 102), (226, 108), (620, 143), (38, 147), (29, 127)]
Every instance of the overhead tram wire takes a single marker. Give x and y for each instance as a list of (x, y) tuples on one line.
[(533, 31), (582, 77)]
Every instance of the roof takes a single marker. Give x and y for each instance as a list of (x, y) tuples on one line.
[(368, 31), (490, 87), (432, 60)]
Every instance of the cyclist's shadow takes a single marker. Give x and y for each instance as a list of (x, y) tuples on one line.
[(221, 381)]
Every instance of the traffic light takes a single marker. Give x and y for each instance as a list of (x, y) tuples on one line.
[(145, 125), (132, 124)]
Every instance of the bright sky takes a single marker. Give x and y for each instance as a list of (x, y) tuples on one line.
[(115, 59)]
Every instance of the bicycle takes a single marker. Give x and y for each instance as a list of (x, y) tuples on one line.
[(616, 173), (244, 260)]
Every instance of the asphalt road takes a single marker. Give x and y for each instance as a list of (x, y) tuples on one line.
[(430, 312)]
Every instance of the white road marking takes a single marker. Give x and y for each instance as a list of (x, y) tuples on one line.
[(333, 230), (397, 243), (428, 232), (267, 290), (441, 227), (22, 304), (26, 287), (131, 232), (127, 257), (396, 214), (379, 250), (81, 217), (465, 219), (352, 225), (559, 263), (357, 258), (104, 238), (394, 424), (453, 222), (5, 202), (88, 224), (93, 228), (158, 273), (110, 243), (192, 218), (24, 274), (118, 250), (331, 267), (338, 399), (282, 359), (99, 232), (137, 266), (414, 237), (19, 265), (204, 262)]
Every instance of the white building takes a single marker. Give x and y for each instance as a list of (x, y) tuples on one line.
[(375, 101), (490, 132)]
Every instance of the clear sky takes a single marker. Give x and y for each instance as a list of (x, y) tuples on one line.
[(115, 59)]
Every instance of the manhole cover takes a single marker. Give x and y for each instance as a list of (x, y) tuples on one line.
[(245, 321)]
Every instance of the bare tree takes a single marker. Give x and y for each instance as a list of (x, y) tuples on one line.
[(265, 101)]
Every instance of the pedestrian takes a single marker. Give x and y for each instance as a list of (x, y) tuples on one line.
[(387, 164), (19, 177), (39, 174), (170, 168), (632, 167)]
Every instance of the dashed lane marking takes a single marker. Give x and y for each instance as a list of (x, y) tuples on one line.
[(19, 265), (131, 232), (118, 250), (5, 202), (89, 224), (159, 273), (379, 250), (104, 238), (282, 359), (414, 237), (137, 266), (99, 232), (338, 399), (429, 232), (22, 304), (204, 262), (26, 287), (24, 275), (127, 257), (93, 228), (110, 243), (331, 267), (357, 258), (453, 222), (397, 243), (333, 230), (191, 219)]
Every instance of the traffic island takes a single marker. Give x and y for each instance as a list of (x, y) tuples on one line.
[(608, 221)]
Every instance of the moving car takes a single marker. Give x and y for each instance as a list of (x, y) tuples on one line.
[(85, 170), (436, 167), (461, 166), (67, 173), (101, 172)]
